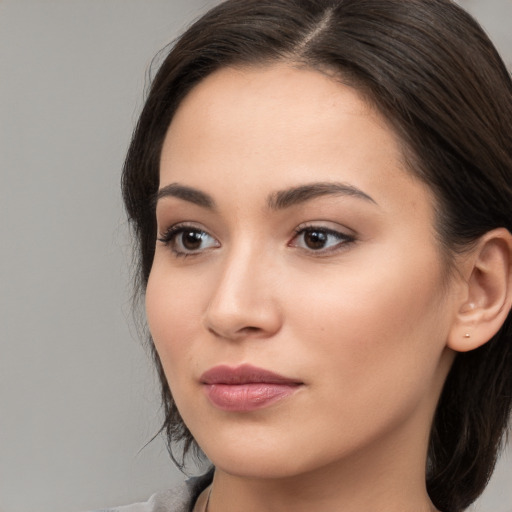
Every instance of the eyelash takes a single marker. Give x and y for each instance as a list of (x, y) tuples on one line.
[(170, 236), (343, 239), (169, 239)]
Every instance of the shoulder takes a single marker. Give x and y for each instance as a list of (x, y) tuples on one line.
[(178, 499)]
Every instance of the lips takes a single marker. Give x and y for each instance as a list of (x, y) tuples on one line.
[(246, 388)]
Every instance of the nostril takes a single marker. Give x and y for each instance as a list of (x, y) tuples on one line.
[(230, 318), (250, 329), (244, 331)]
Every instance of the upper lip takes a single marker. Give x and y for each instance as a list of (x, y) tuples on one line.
[(244, 374)]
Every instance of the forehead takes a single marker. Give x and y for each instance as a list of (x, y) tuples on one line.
[(290, 100), (277, 126)]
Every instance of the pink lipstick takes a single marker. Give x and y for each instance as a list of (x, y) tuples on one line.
[(246, 388)]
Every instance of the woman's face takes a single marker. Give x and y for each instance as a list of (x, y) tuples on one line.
[(293, 241)]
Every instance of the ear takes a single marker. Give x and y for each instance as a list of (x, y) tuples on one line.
[(487, 294)]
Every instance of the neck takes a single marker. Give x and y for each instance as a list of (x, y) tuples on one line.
[(384, 478), (255, 495)]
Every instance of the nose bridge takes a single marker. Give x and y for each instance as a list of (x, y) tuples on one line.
[(243, 300)]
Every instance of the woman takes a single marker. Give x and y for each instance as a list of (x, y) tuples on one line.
[(321, 194)]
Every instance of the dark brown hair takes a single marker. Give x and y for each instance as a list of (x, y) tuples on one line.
[(432, 72)]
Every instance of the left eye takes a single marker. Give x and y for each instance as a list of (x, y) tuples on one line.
[(320, 239)]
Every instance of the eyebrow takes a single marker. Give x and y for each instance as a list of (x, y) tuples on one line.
[(276, 201), (192, 195), (296, 195)]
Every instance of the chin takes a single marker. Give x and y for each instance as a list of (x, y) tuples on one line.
[(269, 457), (253, 457), (255, 466)]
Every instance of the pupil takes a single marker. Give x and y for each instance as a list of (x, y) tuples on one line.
[(315, 239), (192, 240)]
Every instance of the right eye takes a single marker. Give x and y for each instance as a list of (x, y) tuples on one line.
[(188, 240)]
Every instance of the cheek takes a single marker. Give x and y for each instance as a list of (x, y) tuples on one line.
[(173, 308), (378, 328), (370, 354)]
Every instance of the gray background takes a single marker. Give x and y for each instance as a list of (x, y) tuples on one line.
[(78, 400)]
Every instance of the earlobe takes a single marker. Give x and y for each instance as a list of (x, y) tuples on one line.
[(488, 296)]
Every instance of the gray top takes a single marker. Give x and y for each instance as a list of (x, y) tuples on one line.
[(178, 499)]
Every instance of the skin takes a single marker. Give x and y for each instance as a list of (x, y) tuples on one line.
[(362, 323)]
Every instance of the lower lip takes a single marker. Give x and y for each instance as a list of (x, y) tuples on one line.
[(247, 397)]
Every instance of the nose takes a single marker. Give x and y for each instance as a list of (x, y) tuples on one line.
[(243, 302)]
